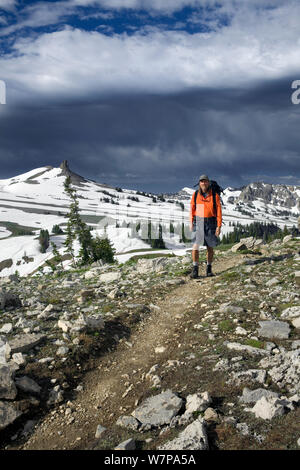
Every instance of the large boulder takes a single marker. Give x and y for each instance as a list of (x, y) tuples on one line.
[(145, 265), (8, 389), (193, 437), (274, 329), (8, 414), (25, 342), (159, 409)]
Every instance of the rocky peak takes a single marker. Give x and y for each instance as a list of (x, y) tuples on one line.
[(276, 194), (75, 178)]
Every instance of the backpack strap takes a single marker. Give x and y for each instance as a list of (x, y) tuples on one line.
[(195, 196)]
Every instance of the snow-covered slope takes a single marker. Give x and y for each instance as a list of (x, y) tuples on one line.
[(36, 200)]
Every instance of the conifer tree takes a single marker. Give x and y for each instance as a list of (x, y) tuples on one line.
[(44, 240), (90, 249)]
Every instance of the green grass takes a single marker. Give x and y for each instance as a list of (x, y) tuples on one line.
[(17, 230), (230, 276), (254, 343), (226, 325)]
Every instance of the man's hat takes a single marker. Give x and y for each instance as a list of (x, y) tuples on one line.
[(204, 177)]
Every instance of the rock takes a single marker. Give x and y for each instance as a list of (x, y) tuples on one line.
[(55, 396), (25, 342), (274, 329), (159, 409), (252, 396), (228, 308), (243, 429), (8, 414), (62, 351), (211, 415), (292, 314), (297, 277), (241, 331), (256, 375), (128, 422), (197, 402), (27, 385), (93, 322), (143, 265), (8, 299), (19, 359), (249, 349), (85, 294), (126, 445), (284, 369), (7, 328), (110, 277), (268, 408), (91, 274), (7, 385), (272, 282), (249, 242), (239, 247), (193, 437), (5, 351), (99, 431), (287, 238), (116, 293), (64, 325)]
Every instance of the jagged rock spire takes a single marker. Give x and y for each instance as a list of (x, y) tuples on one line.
[(75, 179)]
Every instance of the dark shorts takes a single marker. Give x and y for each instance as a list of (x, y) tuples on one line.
[(204, 232)]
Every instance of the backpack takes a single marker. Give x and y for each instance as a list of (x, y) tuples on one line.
[(216, 189)]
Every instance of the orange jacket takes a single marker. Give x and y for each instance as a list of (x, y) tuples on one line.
[(205, 207)]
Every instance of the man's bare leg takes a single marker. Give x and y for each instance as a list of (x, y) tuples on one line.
[(195, 256)]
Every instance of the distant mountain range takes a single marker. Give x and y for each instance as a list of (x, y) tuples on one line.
[(36, 200)]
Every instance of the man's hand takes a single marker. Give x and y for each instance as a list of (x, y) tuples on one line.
[(218, 231)]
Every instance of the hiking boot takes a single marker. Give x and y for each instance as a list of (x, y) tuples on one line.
[(208, 271), (194, 274)]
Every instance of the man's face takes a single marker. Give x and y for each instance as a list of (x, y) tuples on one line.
[(204, 184)]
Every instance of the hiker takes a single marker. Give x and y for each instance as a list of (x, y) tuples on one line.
[(206, 221)]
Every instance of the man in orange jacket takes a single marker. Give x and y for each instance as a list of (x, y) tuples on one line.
[(205, 224)]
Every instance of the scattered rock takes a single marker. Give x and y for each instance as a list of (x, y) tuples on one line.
[(8, 414), (274, 329), (99, 431), (126, 445), (193, 437), (159, 409), (252, 396), (268, 408)]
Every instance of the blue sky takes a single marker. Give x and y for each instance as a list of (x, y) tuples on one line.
[(149, 94)]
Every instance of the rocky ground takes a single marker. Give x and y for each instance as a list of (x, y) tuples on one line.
[(141, 356)]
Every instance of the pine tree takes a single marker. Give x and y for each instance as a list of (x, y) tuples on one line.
[(57, 230), (44, 240), (90, 249)]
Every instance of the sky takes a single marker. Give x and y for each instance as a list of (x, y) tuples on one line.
[(150, 94)]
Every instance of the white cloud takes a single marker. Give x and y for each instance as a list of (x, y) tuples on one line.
[(8, 4), (73, 62)]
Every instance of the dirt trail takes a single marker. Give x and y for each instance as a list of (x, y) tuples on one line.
[(118, 384)]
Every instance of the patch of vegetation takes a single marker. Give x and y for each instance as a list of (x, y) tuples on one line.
[(254, 343), (17, 230), (230, 276), (226, 325)]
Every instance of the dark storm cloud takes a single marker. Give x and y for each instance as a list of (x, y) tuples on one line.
[(161, 143)]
